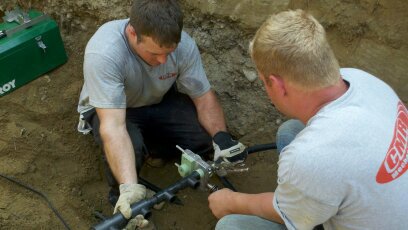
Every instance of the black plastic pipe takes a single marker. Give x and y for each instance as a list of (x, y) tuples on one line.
[(156, 189), (253, 149), (118, 221), (261, 147), (227, 183)]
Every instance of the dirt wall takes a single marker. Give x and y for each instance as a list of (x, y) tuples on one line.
[(367, 34)]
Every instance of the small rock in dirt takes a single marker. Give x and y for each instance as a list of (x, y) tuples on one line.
[(250, 75), (84, 27), (47, 78), (22, 131)]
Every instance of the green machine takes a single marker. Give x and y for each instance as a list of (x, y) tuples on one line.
[(30, 45)]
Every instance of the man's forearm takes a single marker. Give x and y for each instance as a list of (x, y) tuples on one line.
[(255, 204), (212, 120), (210, 113), (120, 155)]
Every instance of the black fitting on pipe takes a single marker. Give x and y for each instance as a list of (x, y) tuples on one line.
[(169, 196), (118, 221), (156, 189), (193, 182)]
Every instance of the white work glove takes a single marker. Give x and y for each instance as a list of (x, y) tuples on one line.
[(138, 222), (129, 194), (228, 150)]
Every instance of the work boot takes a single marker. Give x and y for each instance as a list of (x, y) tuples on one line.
[(155, 162)]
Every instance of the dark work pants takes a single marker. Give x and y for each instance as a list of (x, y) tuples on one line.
[(157, 129)]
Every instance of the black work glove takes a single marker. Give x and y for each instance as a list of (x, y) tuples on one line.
[(228, 150)]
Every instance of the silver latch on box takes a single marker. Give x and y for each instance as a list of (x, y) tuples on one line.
[(40, 43)]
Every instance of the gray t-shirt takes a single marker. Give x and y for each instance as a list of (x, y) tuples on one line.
[(116, 77), (347, 167)]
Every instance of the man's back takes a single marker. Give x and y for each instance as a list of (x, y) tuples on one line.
[(336, 166)]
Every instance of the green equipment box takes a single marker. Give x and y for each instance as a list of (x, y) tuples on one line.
[(30, 45)]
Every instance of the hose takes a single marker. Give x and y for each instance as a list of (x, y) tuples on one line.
[(227, 183), (50, 205), (261, 147)]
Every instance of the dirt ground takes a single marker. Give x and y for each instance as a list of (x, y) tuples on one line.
[(39, 144)]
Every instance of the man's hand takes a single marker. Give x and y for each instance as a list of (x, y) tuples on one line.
[(227, 149), (220, 202), (129, 194), (138, 222)]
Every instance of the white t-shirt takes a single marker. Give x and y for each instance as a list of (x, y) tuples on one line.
[(115, 77), (347, 167)]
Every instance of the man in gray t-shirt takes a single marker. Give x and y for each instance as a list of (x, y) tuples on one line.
[(344, 158), (130, 104)]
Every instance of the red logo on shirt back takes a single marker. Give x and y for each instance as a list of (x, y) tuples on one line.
[(396, 161)]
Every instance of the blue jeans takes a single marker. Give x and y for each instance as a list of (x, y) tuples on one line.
[(247, 222), (286, 133)]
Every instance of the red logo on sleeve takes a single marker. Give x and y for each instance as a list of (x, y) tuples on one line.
[(396, 161)]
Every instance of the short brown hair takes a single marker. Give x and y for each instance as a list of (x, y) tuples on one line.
[(293, 45), (160, 19)]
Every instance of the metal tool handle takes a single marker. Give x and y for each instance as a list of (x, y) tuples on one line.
[(212, 188)]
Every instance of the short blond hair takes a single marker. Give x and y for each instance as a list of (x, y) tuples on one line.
[(293, 45)]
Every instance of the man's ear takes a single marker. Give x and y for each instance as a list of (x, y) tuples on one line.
[(131, 30), (277, 84)]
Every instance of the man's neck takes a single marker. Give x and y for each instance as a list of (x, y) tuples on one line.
[(310, 103)]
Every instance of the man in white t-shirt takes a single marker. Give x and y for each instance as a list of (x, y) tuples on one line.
[(130, 103), (343, 158)]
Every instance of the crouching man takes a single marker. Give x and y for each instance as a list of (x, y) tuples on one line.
[(343, 157)]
